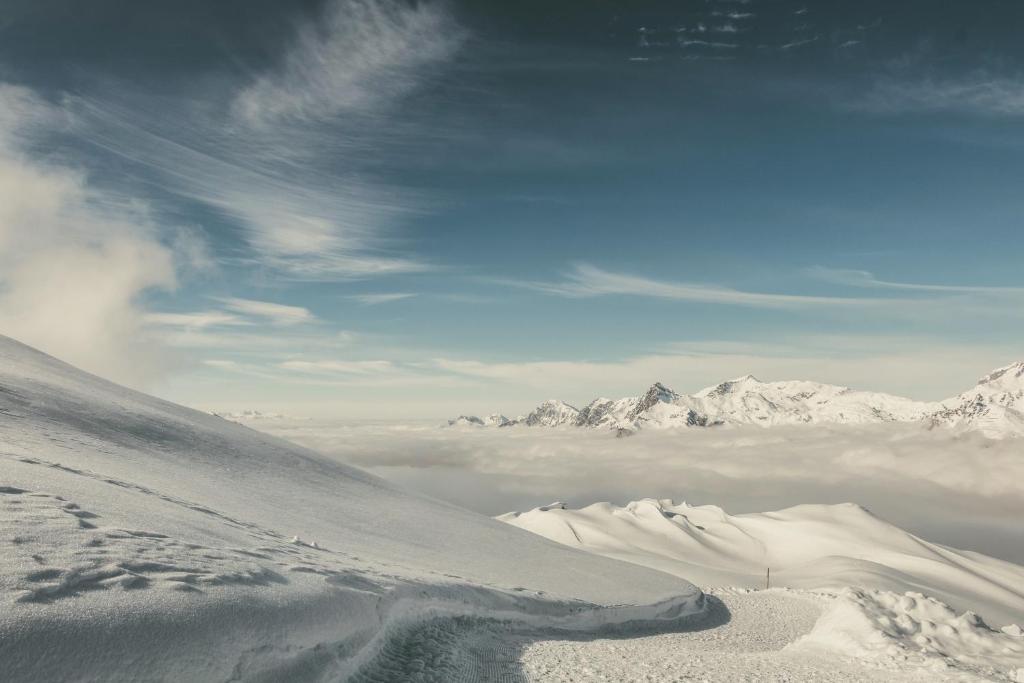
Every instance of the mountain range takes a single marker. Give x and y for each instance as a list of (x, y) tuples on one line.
[(994, 407)]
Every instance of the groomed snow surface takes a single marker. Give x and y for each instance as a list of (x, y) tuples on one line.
[(140, 540)]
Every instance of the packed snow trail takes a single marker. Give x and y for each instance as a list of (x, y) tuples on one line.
[(759, 641), (468, 649), (774, 635)]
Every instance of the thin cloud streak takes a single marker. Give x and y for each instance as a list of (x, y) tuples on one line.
[(980, 93), (867, 279), (359, 367), (585, 280), (274, 313), (197, 320), (381, 298)]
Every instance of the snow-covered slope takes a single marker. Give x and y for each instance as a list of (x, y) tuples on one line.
[(995, 407), (140, 540), (808, 546)]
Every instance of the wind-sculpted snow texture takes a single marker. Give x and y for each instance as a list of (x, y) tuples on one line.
[(995, 407), (140, 540)]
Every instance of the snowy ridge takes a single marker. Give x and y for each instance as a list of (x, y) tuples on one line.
[(131, 528), (807, 546), (994, 407)]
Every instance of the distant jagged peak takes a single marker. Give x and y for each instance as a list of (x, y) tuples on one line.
[(551, 413), (660, 392), (555, 403), (497, 420), (466, 420)]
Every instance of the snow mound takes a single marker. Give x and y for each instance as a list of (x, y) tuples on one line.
[(892, 630), (807, 546), (143, 540)]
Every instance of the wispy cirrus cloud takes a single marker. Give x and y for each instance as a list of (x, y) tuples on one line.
[(373, 299), (195, 320), (293, 154), (979, 93), (584, 280), (357, 367), (359, 56), (274, 313), (868, 280)]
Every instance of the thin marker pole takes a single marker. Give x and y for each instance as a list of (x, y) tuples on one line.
[(767, 577)]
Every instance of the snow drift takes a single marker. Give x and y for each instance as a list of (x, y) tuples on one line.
[(141, 539)]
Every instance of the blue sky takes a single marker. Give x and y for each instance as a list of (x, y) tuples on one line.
[(376, 208)]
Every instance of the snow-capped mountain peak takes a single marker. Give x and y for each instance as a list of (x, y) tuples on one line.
[(746, 382), (658, 393), (551, 413), (466, 421), (994, 407), (1006, 379), (497, 420)]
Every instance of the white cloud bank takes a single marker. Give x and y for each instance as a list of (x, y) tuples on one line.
[(964, 491), (74, 260)]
